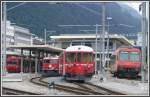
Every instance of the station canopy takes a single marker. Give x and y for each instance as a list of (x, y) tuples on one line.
[(45, 48)]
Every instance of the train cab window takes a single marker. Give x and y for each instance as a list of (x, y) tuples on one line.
[(12, 62), (79, 57), (87, 57), (46, 61), (134, 56), (55, 61), (124, 56), (70, 57)]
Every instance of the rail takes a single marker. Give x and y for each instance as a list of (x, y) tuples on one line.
[(83, 89)]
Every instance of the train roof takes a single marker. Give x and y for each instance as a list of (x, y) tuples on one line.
[(128, 49), (79, 48)]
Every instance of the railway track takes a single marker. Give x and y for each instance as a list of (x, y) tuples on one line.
[(36, 80), (110, 92), (83, 89), (8, 91), (72, 89)]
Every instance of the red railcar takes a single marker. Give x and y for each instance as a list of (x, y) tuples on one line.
[(50, 66), (77, 63), (14, 64), (126, 61)]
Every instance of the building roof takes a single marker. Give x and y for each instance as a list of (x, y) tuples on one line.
[(90, 36), (45, 48)]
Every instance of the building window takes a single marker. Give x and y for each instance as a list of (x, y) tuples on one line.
[(65, 45), (76, 43), (88, 44), (110, 45)]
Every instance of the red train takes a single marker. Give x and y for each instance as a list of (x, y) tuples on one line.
[(50, 66), (14, 64), (126, 61), (77, 63)]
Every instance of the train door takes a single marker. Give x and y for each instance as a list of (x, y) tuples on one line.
[(112, 63), (61, 62)]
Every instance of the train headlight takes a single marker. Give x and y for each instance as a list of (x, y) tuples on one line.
[(49, 66), (69, 65), (83, 64), (77, 64), (89, 65)]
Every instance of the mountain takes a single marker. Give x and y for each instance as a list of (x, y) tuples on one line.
[(37, 16)]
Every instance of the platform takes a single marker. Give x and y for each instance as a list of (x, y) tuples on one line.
[(129, 87), (12, 77), (124, 86)]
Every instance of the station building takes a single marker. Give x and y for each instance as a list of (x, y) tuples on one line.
[(66, 40), (17, 35)]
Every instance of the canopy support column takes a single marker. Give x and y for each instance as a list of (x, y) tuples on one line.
[(22, 62), (36, 61)]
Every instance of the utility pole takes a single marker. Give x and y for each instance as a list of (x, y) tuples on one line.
[(103, 39), (4, 38), (96, 49), (143, 67), (45, 35)]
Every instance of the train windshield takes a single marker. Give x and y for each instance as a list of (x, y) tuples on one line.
[(12, 62), (51, 61), (134, 56), (87, 57), (47, 61), (79, 57), (124, 56), (70, 57), (54, 61)]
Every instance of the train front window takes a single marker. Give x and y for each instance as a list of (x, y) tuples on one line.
[(87, 57), (134, 56), (46, 61), (11, 62), (79, 57), (55, 61), (70, 57), (124, 56)]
